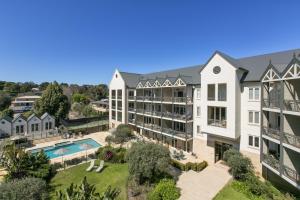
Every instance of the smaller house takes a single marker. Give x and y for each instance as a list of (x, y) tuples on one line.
[(5, 126), (19, 125), (34, 125), (48, 123)]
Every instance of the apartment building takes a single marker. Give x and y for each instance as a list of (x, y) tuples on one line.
[(23, 103), (33, 126), (250, 104)]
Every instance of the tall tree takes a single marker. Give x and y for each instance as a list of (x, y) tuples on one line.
[(53, 101), (4, 101)]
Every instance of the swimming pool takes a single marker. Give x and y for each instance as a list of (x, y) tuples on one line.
[(68, 148)]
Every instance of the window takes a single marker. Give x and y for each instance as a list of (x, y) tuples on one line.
[(119, 94), (36, 127), (253, 141), (216, 116), (131, 93), (198, 111), (222, 92), (32, 127), (3, 122), (198, 129), (46, 125), (211, 92), (17, 129), (50, 125), (21, 129), (253, 117), (119, 116), (254, 94), (113, 93), (198, 93)]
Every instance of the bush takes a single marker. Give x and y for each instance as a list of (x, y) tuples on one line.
[(147, 161), (25, 189), (110, 154), (229, 153), (164, 190), (122, 134), (189, 166), (240, 166)]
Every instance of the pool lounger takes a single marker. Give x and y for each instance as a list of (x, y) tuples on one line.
[(100, 166), (92, 164)]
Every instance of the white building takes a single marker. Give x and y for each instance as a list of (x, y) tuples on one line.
[(23, 103), (209, 108), (33, 126)]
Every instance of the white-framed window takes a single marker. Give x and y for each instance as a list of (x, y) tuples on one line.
[(253, 117), (254, 94), (253, 141), (222, 92), (198, 93), (198, 111), (198, 129)]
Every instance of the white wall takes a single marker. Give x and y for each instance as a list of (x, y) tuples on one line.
[(117, 83), (247, 128), (34, 120), (19, 121), (229, 76), (197, 119), (45, 120), (5, 126)]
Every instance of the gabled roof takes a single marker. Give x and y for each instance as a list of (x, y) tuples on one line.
[(7, 118), (19, 115), (255, 66), (45, 115), (31, 116)]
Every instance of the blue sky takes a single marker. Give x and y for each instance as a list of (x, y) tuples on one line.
[(85, 41)]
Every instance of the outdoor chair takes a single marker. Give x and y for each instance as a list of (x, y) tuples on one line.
[(100, 166), (92, 164)]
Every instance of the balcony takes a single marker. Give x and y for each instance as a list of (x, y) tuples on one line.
[(148, 125), (292, 105), (271, 103), (131, 121), (139, 123), (218, 123), (291, 174), (293, 140), (156, 127), (132, 98), (131, 109), (148, 98), (273, 133), (139, 98), (167, 99), (271, 161), (156, 98), (148, 112), (157, 113), (139, 110)]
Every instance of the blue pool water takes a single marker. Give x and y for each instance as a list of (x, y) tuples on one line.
[(69, 148)]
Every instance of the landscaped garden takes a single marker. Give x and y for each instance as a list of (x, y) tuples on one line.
[(113, 174)]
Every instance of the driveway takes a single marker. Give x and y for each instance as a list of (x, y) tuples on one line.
[(203, 185)]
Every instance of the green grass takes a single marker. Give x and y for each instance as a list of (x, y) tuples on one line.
[(229, 193), (113, 174)]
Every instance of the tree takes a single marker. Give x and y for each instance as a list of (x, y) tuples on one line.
[(80, 98), (122, 134), (7, 112), (26, 189), (43, 86), (87, 191), (5, 101), (147, 161), (164, 190), (53, 101)]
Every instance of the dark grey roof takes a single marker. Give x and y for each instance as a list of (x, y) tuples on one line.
[(7, 118), (254, 65)]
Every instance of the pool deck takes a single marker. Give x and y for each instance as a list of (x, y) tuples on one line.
[(98, 137)]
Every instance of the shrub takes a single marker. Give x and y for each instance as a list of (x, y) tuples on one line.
[(146, 161), (240, 166), (110, 154), (189, 166), (229, 153), (164, 190), (25, 189)]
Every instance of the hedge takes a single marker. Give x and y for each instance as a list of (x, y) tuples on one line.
[(189, 166)]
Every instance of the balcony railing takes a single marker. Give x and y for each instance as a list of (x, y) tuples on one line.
[(139, 110), (148, 112), (271, 103), (291, 174), (156, 127), (156, 98), (291, 139), (131, 121), (157, 113), (183, 100), (147, 125), (218, 123), (167, 114), (131, 109), (271, 161), (131, 97), (139, 98), (148, 98), (292, 105), (273, 133), (167, 99), (139, 123)]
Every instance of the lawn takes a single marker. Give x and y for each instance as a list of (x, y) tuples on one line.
[(113, 174), (229, 193)]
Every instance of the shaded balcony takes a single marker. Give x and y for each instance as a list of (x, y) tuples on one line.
[(292, 95)]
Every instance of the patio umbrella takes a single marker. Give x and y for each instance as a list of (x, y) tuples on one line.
[(61, 152), (86, 146)]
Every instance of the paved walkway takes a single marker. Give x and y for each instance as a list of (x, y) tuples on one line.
[(203, 185)]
